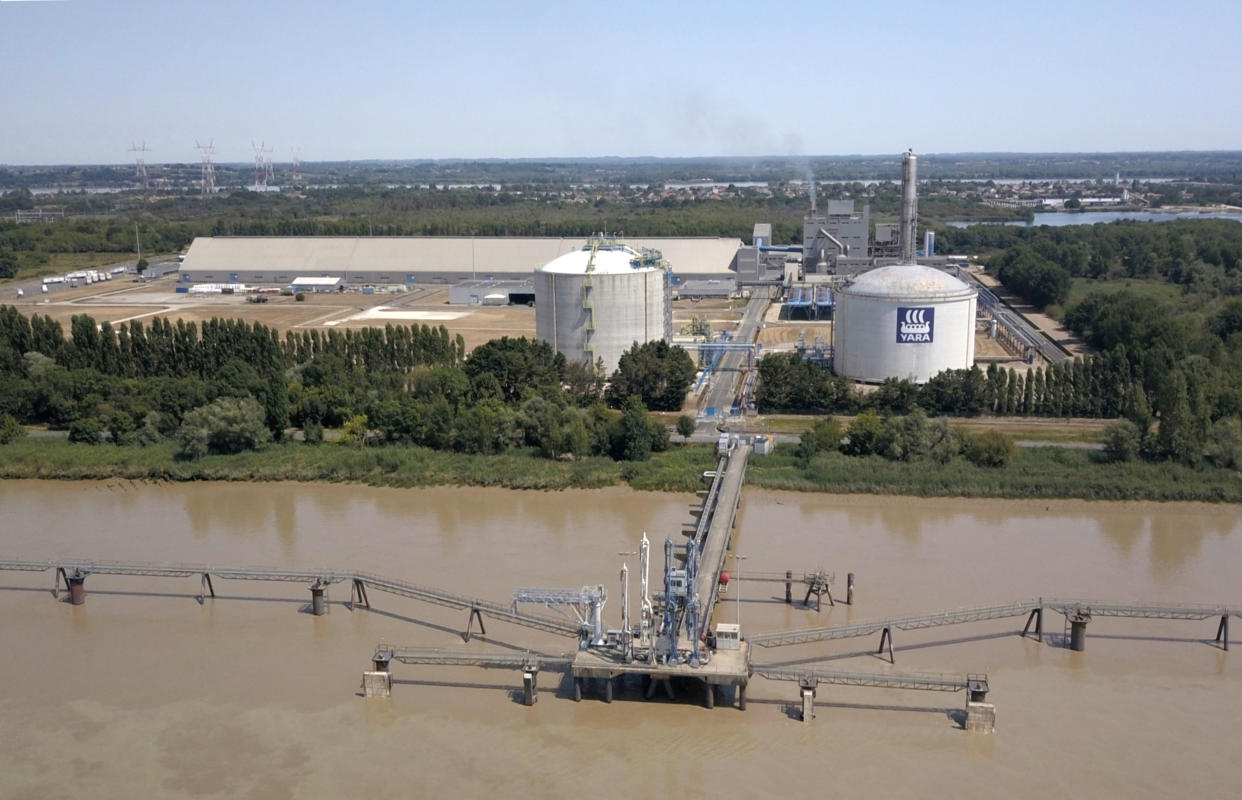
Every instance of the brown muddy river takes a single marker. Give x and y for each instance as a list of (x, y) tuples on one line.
[(145, 692)]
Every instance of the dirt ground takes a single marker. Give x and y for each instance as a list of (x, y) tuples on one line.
[(117, 302)]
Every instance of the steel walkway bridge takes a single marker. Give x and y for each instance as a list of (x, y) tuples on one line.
[(1077, 612), (73, 573), (879, 680)]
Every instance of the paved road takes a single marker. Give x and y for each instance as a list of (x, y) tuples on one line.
[(723, 386)]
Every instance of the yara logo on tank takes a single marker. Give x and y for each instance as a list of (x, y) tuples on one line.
[(915, 325)]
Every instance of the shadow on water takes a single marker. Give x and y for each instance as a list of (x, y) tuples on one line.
[(811, 660)]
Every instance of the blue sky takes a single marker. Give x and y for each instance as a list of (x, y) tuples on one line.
[(360, 80)]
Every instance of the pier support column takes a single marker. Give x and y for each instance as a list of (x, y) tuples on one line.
[(1222, 632), (319, 598), (608, 684), (741, 697), (358, 595), (709, 695), (980, 717), (530, 684), (376, 683), (806, 687), (980, 714), (886, 638), (76, 583), (849, 589), (577, 690), (1078, 629), (789, 587), (382, 661), (1036, 616)]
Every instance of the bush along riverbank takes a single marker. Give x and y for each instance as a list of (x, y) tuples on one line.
[(1032, 472), (1047, 472), (390, 465)]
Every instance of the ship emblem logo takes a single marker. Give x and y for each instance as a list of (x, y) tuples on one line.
[(914, 325)]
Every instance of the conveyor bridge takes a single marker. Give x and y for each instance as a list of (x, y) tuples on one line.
[(73, 573), (1078, 613)]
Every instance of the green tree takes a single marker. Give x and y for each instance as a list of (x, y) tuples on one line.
[(657, 372), (685, 427), (10, 429), (1224, 447), (864, 436), (907, 438), (631, 438), (1123, 441), (226, 425), (86, 430), (516, 364), (990, 449), (1175, 436), (943, 442), (354, 431)]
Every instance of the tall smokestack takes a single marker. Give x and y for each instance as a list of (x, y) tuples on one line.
[(909, 205)]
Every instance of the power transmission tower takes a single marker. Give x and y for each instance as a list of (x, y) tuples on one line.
[(208, 155), (263, 171), (140, 162), (296, 179)]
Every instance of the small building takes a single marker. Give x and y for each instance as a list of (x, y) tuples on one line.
[(493, 292), (317, 284), (728, 636)]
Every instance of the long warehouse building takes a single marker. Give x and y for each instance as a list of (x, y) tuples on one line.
[(422, 259)]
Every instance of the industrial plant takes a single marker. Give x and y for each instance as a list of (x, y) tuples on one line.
[(872, 305)]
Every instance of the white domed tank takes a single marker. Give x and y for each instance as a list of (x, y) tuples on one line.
[(904, 321), (595, 303)]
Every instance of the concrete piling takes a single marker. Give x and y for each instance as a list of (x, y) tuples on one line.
[(376, 684), (741, 697), (530, 685), (807, 690), (77, 588), (319, 599), (1078, 630), (709, 695), (789, 587), (980, 717), (849, 589)]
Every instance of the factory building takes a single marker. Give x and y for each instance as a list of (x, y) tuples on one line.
[(839, 234), (596, 302), (903, 321), (423, 259)]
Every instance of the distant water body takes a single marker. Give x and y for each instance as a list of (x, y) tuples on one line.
[(1057, 219)]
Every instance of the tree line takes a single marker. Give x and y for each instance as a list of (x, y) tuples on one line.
[(227, 385)]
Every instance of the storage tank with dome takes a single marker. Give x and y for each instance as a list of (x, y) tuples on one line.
[(595, 303), (903, 321)]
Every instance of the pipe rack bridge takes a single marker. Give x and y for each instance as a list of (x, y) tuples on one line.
[(980, 715), (74, 574), (1077, 614), (377, 682), (715, 527)]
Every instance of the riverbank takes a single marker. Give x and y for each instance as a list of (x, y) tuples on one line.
[(1046, 472)]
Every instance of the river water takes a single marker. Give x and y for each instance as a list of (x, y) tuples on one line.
[(144, 691), (1057, 219)]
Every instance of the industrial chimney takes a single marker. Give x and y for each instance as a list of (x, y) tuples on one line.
[(909, 205)]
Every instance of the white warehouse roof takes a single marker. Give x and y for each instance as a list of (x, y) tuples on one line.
[(310, 255), (612, 260), (908, 281)]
